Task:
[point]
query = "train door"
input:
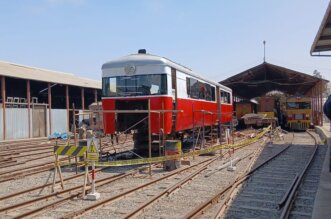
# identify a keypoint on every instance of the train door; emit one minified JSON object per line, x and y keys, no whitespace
{"x":174,"y":96}
{"x":218,"y":102}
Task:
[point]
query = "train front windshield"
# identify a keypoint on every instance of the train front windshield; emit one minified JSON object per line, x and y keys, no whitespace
{"x":136,"y":85}
{"x":298,"y":105}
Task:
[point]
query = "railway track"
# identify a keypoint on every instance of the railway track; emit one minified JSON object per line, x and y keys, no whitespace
{"x":270,"y":189}
{"x":118,"y":193}
{"x":138,"y":198}
{"x":20,"y":157}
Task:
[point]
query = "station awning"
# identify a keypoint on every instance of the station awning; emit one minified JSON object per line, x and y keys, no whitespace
{"x":266,"y":77}
{"x":322,"y":42}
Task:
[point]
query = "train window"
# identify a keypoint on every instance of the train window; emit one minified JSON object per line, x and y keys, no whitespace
{"x":202,"y":90}
{"x":105,"y":86}
{"x":210,"y":92}
{"x":298,"y":105}
{"x":213,"y":93}
{"x":194,"y":88}
{"x":199,"y":90}
{"x":137,"y":85}
{"x":188,"y":87}
{"x":225,"y":97}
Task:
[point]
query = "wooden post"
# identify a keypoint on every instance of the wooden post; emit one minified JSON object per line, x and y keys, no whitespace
{"x":149,"y":136}
{"x":3,"y":96}
{"x":67,"y":106}
{"x":57,"y":169}
{"x":60,"y":173}
{"x":50,"y":107}
{"x":74,"y":123}
{"x":28,"y":96}
{"x":54,"y":176}
{"x":83,"y":99}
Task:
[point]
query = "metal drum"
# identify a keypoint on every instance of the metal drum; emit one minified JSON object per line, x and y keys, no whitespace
{"x":172,"y":147}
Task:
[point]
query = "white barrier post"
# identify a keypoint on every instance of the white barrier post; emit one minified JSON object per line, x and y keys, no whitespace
{"x":92,"y":155}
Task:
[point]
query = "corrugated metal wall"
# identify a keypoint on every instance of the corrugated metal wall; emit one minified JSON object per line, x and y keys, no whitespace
{"x":16,"y":123}
{"x":59,"y":120}
{"x":47,"y":123}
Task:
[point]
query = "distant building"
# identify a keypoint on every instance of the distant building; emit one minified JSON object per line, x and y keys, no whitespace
{"x":36,"y":102}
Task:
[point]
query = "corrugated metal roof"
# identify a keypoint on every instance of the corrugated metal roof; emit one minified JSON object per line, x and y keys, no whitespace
{"x":32,"y":73}
{"x":266,"y":77}
{"x":322,"y":41}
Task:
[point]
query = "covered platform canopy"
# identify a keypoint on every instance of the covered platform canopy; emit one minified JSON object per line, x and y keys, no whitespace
{"x":266,"y":77}
{"x":322,"y":42}
{"x":261,"y":79}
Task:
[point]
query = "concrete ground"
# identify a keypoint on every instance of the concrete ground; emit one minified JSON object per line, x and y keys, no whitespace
{"x":322,"y":205}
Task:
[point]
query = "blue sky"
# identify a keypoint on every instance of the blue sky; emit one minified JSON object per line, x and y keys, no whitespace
{"x":217,"y":39}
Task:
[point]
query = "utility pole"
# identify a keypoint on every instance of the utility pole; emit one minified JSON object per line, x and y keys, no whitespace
{"x":264,"y":50}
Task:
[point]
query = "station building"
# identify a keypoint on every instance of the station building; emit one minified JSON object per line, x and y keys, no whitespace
{"x":36,"y":102}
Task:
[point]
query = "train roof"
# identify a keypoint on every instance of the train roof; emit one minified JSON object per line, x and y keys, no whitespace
{"x":149,"y":59}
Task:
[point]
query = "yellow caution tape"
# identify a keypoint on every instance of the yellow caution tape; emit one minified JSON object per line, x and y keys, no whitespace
{"x":189,"y":154}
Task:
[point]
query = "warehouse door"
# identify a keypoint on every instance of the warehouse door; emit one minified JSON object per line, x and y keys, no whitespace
{"x":39,"y":121}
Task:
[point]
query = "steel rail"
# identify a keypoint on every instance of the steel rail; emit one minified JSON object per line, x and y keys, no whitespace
{"x":42,"y":165}
{"x":170,"y":189}
{"x":27,"y":150}
{"x":25,"y":146}
{"x":100,"y":183}
{"x":173,"y":188}
{"x":25,"y":155}
{"x":291,"y":196}
{"x":125,"y":193}
{"x":45,"y":185}
{"x":45,"y":197}
{"x":205,"y":205}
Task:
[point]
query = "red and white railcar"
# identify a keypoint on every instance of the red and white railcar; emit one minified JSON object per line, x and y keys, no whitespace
{"x":129,"y":82}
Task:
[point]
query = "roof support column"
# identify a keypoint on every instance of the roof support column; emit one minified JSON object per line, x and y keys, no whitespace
{"x":95,"y":95}
{"x":67,"y":106}
{"x":321,"y":102}
{"x":318,"y":104}
{"x":83,"y":100}
{"x":50,"y":107}
{"x":314,"y":105}
{"x":28,"y":97}
{"x":3,"y":96}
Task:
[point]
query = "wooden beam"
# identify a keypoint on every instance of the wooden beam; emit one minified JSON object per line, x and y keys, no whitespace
{"x":3,"y":96}
{"x":28,"y":97}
